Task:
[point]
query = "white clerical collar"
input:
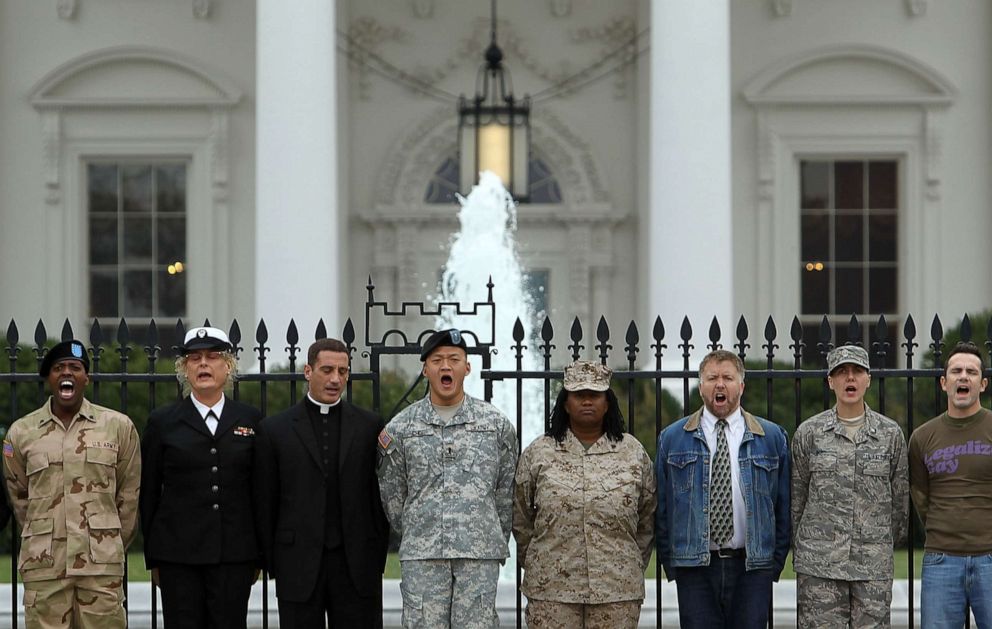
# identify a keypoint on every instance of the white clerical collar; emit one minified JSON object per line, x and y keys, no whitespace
{"x":324,"y":408}
{"x":203,"y":409}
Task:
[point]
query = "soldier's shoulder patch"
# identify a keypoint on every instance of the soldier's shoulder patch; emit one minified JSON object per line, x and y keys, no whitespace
{"x":385,"y":439}
{"x":8,"y":448}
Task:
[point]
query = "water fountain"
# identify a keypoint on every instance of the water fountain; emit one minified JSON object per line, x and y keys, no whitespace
{"x":485,"y":247}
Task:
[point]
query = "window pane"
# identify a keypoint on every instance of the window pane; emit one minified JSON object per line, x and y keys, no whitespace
{"x":848,"y":291}
{"x":849,"y":185}
{"x":171,"y":294}
{"x":816,"y":237}
{"x":882,"y":238}
{"x":815,"y":183}
{"x":137,"y":294}
{"x":101,"y":181}
{"x":882,"y":186}
{"x":103,"y":240}
{"x":848,"y":238}
{"x":171,"y":187}
{"x":816,"y":290}
{"x":137,"y":240}
{"x":103,"y":293}
{"x":882,"y":291}
{"x":136,"y":184}
{"x":171,"y":240}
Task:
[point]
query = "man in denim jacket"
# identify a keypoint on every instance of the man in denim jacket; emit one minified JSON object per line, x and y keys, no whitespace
{"x":723,"y":540}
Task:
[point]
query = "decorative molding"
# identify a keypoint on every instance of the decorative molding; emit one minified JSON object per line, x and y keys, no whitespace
{"x":399,"y":158}
{"x":781,"y":8}
{"x":219,"y":152}
{"x":53,"y":107}
{"x":759,"y":91}
{"x":366,"y":35}
{"x":619,"y":31}
{"x":560,"y":8}
{"x":201,"y":9}
{"x":43,"y":96}
{"x":916,"y":8}
{"x":66,"y":9}
{"x":588,"y":186}
{"x":422,"y":9}
{"x":579,"y":269}
{"x":766,"y":158}
{"x":51,"y":139}
{"x":933,"y":146}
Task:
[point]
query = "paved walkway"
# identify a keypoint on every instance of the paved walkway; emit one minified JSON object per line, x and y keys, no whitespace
{"x":785,"y":605}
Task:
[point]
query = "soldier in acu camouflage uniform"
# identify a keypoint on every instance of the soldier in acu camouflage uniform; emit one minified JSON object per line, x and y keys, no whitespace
{"x":446,"y":479}
{"x":850,"y":502}
{"x":72,"y":470}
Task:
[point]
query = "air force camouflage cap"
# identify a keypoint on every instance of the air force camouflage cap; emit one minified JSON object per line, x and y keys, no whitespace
{"x":442,"y":338}
{"x":847,"y":354}
{"x":585,"y":375}
{"x":66,"y":350}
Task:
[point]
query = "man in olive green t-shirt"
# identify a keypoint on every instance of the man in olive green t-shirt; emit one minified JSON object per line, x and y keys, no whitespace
{"x":950,"y":471}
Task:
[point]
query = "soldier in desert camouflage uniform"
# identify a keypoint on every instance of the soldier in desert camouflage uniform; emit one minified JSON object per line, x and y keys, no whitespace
{"x":72,"y":470}
{"x":446,"y":480}
{"x":583,"y":511}
{"x":850,"y":502}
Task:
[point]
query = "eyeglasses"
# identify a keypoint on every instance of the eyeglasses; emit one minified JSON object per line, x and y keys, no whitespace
{"x":196,"y":357}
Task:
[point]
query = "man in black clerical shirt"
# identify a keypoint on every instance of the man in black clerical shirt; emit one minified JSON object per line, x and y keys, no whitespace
{"x":321,"y":523}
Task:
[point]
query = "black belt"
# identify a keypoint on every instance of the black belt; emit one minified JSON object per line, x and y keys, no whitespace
{"x":729,"y":553}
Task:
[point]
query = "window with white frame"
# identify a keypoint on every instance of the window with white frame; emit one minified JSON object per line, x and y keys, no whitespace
{"x":849,"y":220}
{"x":136,"y":213}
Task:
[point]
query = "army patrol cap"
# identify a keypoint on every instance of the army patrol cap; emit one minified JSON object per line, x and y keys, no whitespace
{"x":442,"y":338}
{"x":205,"y":338}
{"x":847,"y":355}
{"x":66,"y":350}
{"x":586,"y":375}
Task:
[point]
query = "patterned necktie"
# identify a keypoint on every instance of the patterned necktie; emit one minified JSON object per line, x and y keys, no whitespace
{"x":721,"y":497}
{"x":211,"y":421}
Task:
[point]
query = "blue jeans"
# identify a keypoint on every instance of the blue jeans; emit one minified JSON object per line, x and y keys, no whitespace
{"x":723,"y":594}
{"x":951,"y":584}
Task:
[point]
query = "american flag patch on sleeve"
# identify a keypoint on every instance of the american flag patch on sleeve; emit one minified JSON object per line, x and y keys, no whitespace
{"x":8,"y":449}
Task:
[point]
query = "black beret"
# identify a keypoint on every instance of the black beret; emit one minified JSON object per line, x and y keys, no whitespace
{"x":65,"y":350}
{"x":442,"y":338}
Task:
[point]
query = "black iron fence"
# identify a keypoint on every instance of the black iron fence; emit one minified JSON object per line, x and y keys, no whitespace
{"x":653,"y":376}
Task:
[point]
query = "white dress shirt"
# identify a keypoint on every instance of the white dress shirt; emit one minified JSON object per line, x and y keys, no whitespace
{"x":735,"y":435}
{"x":217,"y":408}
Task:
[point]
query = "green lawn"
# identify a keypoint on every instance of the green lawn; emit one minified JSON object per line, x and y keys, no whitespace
{"x":137,"y":572}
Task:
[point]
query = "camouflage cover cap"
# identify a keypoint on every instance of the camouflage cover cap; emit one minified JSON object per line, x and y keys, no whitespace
{"x":587,"y":375}
{"x":847,"y":354}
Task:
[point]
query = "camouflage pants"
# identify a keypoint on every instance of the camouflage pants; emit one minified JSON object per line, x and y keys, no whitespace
{"x":552,"y":615}
{"x":830,"y":603}
{"x":77,"y":602}
{"x":449,"y":593}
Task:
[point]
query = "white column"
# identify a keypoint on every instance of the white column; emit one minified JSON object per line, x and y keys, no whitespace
{"x":690,"y":234}
{"x":297,"y":272}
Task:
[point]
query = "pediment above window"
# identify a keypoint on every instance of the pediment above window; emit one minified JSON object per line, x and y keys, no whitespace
{"x":849,"y":75}
{"x":133,"y":76}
